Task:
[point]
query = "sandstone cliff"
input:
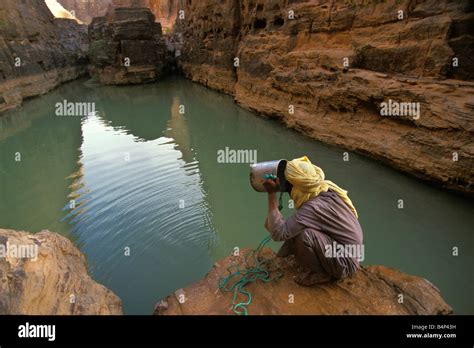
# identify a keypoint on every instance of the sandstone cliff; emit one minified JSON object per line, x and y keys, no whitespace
{"x":373,"y":290}
{"x":51,"y":281}
{"x":127,"y":47}
{"x":37,"y":51}
{"x":325,"y":68}
{"x":165,"y":11}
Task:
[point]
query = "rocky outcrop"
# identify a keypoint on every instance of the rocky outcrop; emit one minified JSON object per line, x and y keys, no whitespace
{"x":372,"y":290}
{"x":45,"y":274}
{"x":127,"y":47}
{"x":85,"y":10}
{"x":37,"y":51}
{"x":165,"y":11}
{"x":327,"y":68}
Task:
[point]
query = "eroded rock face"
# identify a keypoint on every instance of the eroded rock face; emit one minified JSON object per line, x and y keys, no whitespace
{"x":127,"y":47}
{"x":51,"y":281}
{"x":372,"y":290}
{"x":37,"y":51}
{"x":336,"y":62}
{"x":165,"y":11}
{"x":210,"y":36}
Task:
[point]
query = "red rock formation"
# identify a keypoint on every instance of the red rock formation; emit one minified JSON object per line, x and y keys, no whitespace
{"x":337,"y":62}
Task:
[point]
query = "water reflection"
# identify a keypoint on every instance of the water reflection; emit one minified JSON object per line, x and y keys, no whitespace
{"x":139,"y":201}
{"x":141,"y":111}
{"x":177,"y":129}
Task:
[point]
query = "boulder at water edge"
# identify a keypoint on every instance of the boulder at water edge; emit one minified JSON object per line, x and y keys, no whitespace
{"x":50,"y":279}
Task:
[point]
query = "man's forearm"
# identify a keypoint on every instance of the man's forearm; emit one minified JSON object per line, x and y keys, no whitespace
{"x":275,"y":224}
{"x":272,"y":202}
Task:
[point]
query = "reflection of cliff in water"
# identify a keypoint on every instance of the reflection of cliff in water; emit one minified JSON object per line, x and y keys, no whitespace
{"x":146,"y":112}
{"x":153,"y":202}
{"x":179,"y":131}
{"x":142,"y":111}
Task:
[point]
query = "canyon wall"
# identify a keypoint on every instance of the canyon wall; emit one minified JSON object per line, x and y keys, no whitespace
{"x":325,"y":68}
{"x":37,"y":51}
{"x":127,"y":46}
{"x":164,"y":10}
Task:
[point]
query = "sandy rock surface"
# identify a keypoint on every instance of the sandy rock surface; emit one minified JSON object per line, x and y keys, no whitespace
{"x":51,"y":281}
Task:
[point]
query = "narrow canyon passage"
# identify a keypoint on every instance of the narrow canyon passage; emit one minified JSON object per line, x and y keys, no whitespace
{"x":146,"y":177}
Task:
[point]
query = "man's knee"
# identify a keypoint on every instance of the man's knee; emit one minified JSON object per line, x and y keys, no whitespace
{"x":306,"y":238}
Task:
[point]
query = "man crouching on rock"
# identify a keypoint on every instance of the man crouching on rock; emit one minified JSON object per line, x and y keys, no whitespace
{"x":325,"y":220}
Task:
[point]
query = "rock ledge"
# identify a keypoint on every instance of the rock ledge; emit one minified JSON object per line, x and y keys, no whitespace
{"x":373,"y":290}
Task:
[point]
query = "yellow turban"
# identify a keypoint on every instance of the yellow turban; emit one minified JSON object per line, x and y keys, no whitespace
{"x":308,"y":182}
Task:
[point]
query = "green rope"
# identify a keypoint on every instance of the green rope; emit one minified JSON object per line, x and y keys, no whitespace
{"x":250,"y":274}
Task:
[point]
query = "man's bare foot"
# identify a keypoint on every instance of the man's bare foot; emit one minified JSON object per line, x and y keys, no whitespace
{"x":309,"y":278}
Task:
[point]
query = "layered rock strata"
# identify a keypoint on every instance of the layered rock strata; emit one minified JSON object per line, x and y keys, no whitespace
{"x":37,"y":51}
{"x":127,"y":47}
{"x":392,"y":80}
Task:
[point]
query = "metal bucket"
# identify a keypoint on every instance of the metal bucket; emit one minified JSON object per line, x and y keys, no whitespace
{"x":259,"y":170}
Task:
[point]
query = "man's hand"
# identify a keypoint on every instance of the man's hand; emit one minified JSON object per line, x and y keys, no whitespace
{"x":272,"y":186}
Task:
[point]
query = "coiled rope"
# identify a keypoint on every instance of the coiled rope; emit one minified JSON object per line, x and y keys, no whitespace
{"x":239,"y":278}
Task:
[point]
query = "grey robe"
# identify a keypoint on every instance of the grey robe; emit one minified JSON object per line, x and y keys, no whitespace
{"x":320,"y":224}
